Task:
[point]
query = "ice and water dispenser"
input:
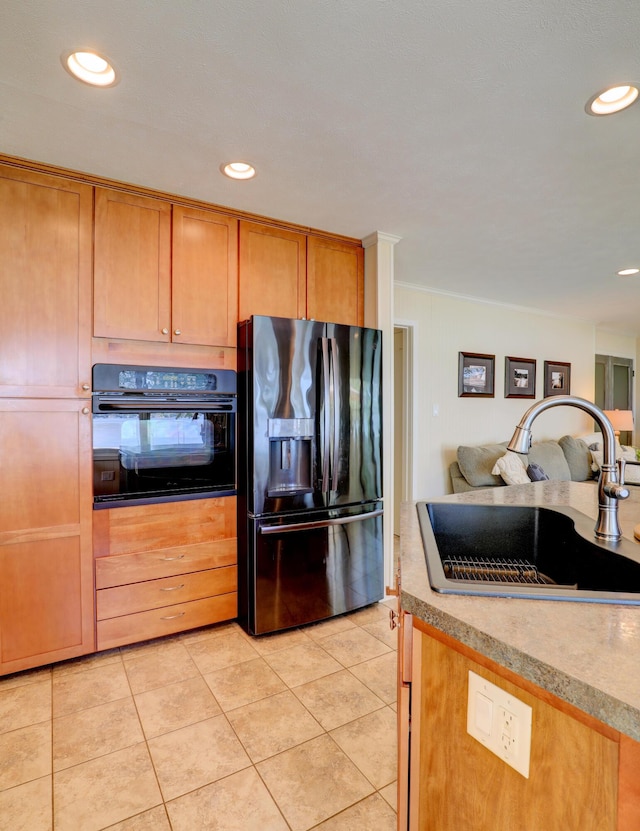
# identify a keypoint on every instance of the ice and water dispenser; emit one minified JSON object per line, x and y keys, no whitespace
{"x":290,"y":456}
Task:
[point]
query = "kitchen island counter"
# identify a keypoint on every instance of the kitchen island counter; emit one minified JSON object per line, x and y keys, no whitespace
{"x":587,"y":654}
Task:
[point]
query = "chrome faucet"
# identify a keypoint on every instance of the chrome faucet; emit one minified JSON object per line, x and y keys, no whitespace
{"x":610,"y":490}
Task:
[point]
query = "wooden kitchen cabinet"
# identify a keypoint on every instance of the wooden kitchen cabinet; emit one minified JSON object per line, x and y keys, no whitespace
{"x":45,"y":274}
{"x":335,"y":281}
{"x":204,"y":277}
{"x":271,"y":272}
{"x":132,"y":266}
{"x":164,"y":568}
{"x":583,"y":774}
{"x":163,"y":273}
{"x":289,"y":274}
{"x":46,"y":564}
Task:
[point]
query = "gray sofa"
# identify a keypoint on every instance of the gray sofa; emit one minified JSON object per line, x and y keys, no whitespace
{"x":568,"y":459}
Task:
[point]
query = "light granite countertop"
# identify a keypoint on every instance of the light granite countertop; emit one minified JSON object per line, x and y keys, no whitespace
{"x":587,"y":654}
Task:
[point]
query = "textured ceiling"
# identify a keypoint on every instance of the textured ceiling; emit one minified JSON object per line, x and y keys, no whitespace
{"x":458,"y":125}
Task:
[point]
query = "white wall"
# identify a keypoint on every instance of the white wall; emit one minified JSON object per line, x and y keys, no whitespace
{"x":613,"y":343}
{"x":445,"y":325}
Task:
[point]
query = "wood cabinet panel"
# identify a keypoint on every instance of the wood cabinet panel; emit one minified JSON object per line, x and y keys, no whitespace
{"x":629,"y":785}
{"x":163,"y":273}
{"x":271,"y":272}
{"x":164,"y":568}
{"x":573,"y":771}
{"x":45,"y":274}
{"x":164,"y":562}
{"x":147,"y":353}
{"x":164,"y":525}
{"x":154,"y":594}
{"x":166,"y":621}
{"x":335,"y":281}
{"x":132,"y":266}
{"x":41,"y":613}
{"x":46,"y":574}
{"x":41,"y":457}
{"x":204,"y":277}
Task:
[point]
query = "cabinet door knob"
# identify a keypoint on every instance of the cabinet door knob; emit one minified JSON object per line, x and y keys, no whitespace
{"x":86,"y":387}
{"x":177,"y":332}
{"x":85,"y":411}
{"x":165,"y":331}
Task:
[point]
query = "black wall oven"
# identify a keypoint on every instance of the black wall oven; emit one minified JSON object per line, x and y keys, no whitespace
{"x":162,"y":434}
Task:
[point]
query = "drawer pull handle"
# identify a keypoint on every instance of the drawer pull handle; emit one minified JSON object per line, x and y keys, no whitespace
{"x":169,"y":559}
{"x":173,"y":617}
{"x":172,"y":588}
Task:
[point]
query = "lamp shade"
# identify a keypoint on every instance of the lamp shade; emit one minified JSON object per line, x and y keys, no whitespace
{"x":620,"y":419}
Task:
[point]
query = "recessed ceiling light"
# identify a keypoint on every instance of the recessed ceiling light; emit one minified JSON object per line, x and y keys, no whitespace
{"x":626,"y":272}
{"x":238,"y":170}
{"x":90,"y":67}
{"x":612,"y":100}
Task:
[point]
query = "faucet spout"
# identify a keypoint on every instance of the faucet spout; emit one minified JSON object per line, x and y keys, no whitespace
{"x":610,"y":490}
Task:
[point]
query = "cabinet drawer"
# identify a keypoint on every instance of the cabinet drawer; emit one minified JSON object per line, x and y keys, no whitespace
{"x":122,"y":569}
{"x":154,"y":594}
{"x":156,"y":623}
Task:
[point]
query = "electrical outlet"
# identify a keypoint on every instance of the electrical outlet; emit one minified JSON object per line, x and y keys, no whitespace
{"x":499,"y":721}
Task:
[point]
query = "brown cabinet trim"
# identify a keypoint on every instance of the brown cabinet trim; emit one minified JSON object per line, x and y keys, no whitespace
{"x":100,"y":181}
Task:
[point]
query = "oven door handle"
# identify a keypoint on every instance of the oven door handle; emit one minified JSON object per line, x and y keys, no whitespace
{"x":321,"y":523}
{"x":140,"y":406}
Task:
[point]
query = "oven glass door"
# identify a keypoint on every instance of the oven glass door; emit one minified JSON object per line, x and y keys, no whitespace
{"x":145,"y":456}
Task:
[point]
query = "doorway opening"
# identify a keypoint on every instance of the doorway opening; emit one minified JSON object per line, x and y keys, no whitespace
{"x":614,"y":387}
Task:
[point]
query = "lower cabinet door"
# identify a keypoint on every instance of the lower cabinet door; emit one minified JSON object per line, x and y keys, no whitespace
{"x":46,"y":568}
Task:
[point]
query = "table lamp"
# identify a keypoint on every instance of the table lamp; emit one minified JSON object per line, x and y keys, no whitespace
{"x":621,"y":420}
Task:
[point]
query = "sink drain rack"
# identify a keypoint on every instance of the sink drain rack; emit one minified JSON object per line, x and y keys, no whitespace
{"x":484,"y":570}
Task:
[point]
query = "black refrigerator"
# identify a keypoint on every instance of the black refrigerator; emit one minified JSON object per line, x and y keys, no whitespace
{"x":309,"y":471}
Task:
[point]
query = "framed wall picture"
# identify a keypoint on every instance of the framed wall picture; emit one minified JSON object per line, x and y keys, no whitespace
{"x":557,"y":378}
{"x":519,"y":377}
{"x":476,"y":374}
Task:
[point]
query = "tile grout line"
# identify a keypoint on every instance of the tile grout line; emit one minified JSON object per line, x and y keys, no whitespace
{"x":185,"y":641}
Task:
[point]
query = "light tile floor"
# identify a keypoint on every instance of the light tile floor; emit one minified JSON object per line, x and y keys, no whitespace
{"x":209,"y":730}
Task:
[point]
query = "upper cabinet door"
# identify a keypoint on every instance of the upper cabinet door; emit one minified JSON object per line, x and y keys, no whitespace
{"x":45,"y":275}
{"x":335,"y":281}
{"x":205,"y":274}
{"x":272,"y":272}
{"x":132,"y":267}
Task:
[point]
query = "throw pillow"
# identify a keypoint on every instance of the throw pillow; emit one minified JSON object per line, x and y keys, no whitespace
{"x":591,"y":438}
{"x":536,"y":473}
{"x":511,"y":468}
{"x":578,"y":457}
{"x":632,"y":475}
{"x":476,"y":464}
{"x":549,"y":455}
{"x":631,"y":472}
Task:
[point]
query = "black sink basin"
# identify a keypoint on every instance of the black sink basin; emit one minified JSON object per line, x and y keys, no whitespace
{"x":534,"y":552}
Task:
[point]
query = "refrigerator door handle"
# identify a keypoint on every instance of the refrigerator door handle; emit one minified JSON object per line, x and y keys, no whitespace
{"x":326,"y":380}
{"x":322,"y":523}
{"x":335,"y":377}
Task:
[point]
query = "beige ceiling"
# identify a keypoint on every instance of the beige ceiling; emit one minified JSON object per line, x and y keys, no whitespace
{"x":458,"y":125}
